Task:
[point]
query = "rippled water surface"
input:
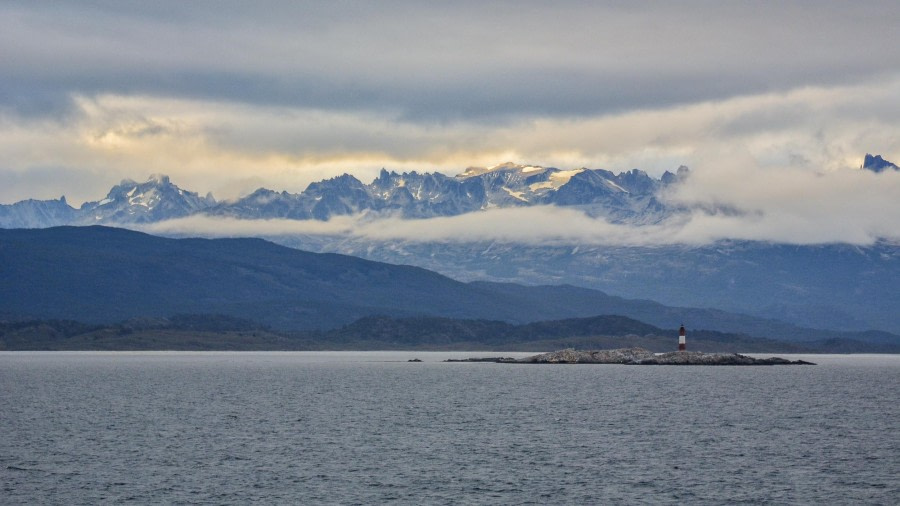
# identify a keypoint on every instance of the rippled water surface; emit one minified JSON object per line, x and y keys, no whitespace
{"x":232,"y":428}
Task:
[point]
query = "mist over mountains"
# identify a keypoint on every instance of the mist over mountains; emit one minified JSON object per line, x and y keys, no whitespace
{"x":835,"y":286}
{"x":628,"y":207}
{"x":530,"y":225}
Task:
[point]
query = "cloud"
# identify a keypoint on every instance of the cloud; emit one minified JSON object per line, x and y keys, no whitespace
{"x":232,"y":149}
{"x":426,"y":62}
{"x":530,"y":225}
{"x":210,"y":226}
{"x":790,"y":205}
{"x":230,"y":96}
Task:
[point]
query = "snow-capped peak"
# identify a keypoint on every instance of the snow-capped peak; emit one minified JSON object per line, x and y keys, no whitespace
{"x":477,"y":171}
{"x":556,"y":180}
{"x":625,"y":196}
{"x":155,"y":199}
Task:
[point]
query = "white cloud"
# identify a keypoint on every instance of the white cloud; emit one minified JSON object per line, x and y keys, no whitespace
{"x":791,"y":205}
{"x":209,"y":226}
{"x":544,"y":225}
{"x":441,"y":62}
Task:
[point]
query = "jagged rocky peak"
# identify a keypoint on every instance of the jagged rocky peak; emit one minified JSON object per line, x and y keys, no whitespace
{"x":624,"y":196}
{"x":636,"y":180}
{"x":155,"y":199}
{"x":384,"y":175}
{"x":344,"y":181}
{"x":36,"y":213}
{"x":264,"y":195}
{"x":682,"y":172}
{"x":876,"y":163}
{"x":135,"y":192}
{"x":390,"y":179}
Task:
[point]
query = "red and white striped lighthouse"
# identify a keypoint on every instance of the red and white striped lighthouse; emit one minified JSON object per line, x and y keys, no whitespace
{"x":681,"y":341}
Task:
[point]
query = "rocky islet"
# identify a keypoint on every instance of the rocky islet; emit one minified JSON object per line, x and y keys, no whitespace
{"x":638,"y":356}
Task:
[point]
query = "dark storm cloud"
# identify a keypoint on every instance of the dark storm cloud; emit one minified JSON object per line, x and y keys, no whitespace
{"x":447,"y":62}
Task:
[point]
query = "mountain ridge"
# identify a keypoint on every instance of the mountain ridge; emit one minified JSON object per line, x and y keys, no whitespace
{"x":219,"y":332}
{"x":626,"y":196}
{"x":103,"y":275}
{"x":830,"y":285}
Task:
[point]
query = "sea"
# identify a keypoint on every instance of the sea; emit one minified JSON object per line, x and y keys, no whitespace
{"x":372,"y":428}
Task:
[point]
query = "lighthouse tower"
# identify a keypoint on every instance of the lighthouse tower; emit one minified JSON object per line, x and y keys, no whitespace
{"x":681,"y":343}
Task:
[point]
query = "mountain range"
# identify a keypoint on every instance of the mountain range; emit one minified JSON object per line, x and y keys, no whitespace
{"x":836,"y":286}
{"x":628,"y":196}
{"x":100,"y":275}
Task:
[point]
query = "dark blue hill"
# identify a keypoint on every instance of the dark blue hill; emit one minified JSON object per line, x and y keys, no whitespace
{"x":108,"y":275}
{"x":99,"y":274}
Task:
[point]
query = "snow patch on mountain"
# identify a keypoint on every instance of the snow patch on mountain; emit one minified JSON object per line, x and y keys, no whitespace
{"x":614,"y":186}
{"x":515,"y":194}
{"x":153,"y":200}
{"x":557,"y":178}
{"x":507,"y":166}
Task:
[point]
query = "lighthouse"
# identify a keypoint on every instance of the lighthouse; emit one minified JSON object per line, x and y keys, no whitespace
{"x":681,"y":343}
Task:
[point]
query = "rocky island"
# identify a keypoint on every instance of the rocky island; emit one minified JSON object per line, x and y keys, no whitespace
{"x":638,"y":356}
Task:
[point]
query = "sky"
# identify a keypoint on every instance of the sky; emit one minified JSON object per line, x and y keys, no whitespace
{"x":770,"y":104}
